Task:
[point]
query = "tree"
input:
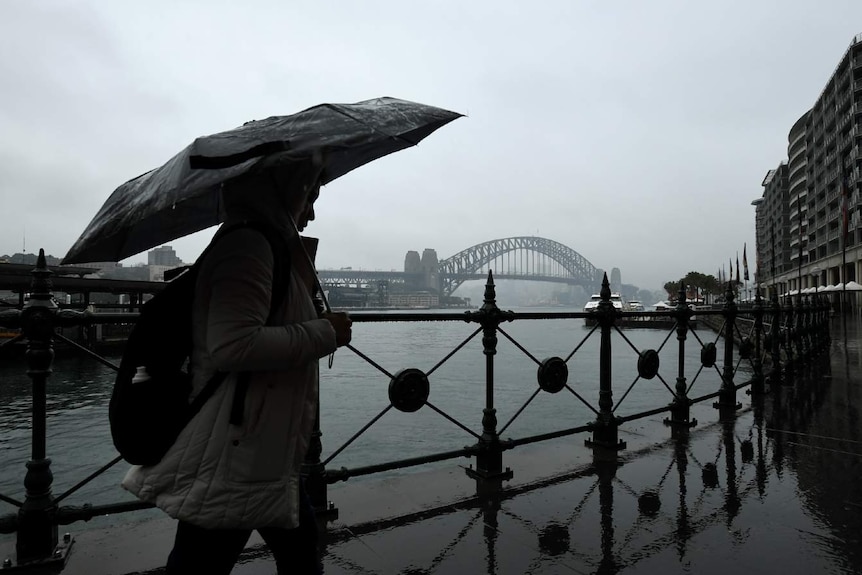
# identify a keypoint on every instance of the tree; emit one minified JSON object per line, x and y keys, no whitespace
{"x":695,"y":282}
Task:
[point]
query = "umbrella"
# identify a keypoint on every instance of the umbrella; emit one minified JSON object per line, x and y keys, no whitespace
{"x":182,"y":196}
{"x":853,"y":286}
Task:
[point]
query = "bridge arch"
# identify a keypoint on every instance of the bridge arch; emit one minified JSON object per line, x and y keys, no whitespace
{"x":576,"y":269}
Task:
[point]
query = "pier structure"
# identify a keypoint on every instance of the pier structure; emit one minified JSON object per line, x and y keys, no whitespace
{"x":763,"y":347}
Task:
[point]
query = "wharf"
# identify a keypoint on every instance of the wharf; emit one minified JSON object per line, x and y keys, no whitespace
{"x":773,"y":490}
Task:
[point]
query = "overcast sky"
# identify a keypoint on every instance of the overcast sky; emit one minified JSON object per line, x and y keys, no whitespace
{"x":637,"y":133}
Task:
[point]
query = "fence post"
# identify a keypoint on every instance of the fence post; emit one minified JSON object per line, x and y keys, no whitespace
{"x":679,"y":410}
{"x":37,"y":527}
{"x":489,"y":472}
{"x":726,"y":403}
{"x":605,"y":426}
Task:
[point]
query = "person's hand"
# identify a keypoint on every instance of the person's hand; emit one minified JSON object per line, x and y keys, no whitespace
{"x":341,"y":322}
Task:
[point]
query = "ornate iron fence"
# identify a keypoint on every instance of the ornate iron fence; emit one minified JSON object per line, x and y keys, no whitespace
{"x":775,"y":342}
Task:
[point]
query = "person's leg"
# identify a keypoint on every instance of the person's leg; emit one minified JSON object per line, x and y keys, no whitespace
{"x":211,"y":551}
{"x":295,"y":550}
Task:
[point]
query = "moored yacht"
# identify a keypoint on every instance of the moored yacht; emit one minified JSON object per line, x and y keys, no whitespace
{"x":593,"y":305}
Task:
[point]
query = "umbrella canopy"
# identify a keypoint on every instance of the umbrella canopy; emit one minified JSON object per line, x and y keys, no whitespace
{"x":853,"y":286}
{"x":182,"y":196}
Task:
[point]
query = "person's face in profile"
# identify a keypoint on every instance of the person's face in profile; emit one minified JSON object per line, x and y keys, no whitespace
{"x":302,"y":210}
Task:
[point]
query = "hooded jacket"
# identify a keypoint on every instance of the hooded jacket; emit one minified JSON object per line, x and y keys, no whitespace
{"x":219,"y":475}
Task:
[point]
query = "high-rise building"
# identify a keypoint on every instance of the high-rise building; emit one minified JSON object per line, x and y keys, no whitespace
{"x":163,"y":256}
{"x":773,"y":217}
{"x":822,"y":203}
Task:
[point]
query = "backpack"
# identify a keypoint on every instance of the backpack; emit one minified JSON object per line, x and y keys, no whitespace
{"x":147,"y":415}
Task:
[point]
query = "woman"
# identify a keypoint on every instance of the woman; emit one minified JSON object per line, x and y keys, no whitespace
{"x":222,"y":480}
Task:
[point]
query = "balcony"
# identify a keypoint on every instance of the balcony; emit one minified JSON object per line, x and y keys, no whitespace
{"x":800,"y":151}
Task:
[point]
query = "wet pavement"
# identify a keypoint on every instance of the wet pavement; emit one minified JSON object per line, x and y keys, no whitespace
{"x":775,"y":489}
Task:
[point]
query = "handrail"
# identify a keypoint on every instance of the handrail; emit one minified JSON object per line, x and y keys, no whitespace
{"x":780,"y":339}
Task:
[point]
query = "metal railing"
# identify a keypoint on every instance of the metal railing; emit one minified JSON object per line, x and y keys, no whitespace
{"x":774,"y":341}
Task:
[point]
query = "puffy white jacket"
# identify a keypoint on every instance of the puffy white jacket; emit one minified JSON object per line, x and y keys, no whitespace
{"x":219,"y":475}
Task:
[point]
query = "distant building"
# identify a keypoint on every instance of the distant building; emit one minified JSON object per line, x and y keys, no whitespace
{"x":163,"y":256}
{"x":157,"y":273}
{"x":414,"y":300}
{"x":773,"y":234}
{"x":104,"y":266}
{"x":29,"y":259}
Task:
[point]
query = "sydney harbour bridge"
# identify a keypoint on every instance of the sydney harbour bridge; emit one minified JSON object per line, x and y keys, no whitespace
{"x":517,"y":258}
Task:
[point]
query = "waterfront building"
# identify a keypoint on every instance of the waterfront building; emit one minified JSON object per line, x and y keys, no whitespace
{"x":773,"y":228}
{"x":163,"y":256}
{"x":808,"y":220}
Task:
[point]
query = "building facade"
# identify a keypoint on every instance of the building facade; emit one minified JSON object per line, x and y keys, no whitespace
{"x":163,"y":256}
{"x":808,"y":231}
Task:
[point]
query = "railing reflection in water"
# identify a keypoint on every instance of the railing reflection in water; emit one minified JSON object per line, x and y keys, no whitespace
{"x":677,"y":503}
{"x":776,"y":342}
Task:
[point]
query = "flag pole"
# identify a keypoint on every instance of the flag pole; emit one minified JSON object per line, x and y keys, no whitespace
{"x":844,"y":223}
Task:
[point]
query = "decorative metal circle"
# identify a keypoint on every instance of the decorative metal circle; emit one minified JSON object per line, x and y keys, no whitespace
{"x":553,"y":374}
{"x":708,"y":355}
{"x":649,"y":503}
{"x":648,"y":363}
{"x":409,"y":389}
{"x":746,"y":348}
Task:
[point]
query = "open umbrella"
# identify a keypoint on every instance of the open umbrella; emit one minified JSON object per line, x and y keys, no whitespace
{"x":182,"y":196}
{"x":853,"y":286}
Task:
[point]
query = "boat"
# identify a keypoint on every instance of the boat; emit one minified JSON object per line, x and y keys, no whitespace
{"x":593,"y":305}
{"x":635,"y":305}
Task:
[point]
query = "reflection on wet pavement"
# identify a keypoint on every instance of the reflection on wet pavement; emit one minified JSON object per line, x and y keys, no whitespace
{"x":774,"y":490}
